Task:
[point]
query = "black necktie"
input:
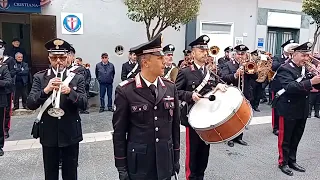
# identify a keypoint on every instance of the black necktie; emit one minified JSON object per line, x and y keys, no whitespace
{"x":153,"y":90}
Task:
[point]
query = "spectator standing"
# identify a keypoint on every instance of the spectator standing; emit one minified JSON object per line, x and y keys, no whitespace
{"x":21,"y":81}
{"x":15,"y":48}
{"x":105,"y":74}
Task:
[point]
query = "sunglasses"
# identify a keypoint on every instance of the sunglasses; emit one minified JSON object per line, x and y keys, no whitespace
{"x":55,"y":58}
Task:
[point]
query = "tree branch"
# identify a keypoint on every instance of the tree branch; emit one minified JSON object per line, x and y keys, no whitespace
{"x":148,"y":28}
{"x":157,"y":25}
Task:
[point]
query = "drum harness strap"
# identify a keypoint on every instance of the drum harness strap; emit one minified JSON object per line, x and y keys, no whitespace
{"x":201,"y":86}
{"x":48,"y":101}
{"x":167,"y":76}
{"x":133,"y":70}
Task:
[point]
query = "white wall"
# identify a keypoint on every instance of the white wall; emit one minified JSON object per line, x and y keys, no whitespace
{"x":292,"y":5}
{"x":106,"y":25}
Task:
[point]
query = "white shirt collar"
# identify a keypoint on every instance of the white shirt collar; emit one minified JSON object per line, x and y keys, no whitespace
{"x":149,"y":83}
{"x":55,"y":72}
{"x":198,"y":66}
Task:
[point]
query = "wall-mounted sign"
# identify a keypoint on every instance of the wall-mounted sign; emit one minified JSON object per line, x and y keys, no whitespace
{"x":25,"y":6}
{"x":72,"y":23}
{"x":238,"y":40}
{"x":260,"y":42}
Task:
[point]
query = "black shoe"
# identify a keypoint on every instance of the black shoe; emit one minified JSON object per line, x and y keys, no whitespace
{"x":84,"y":112}
{"x":317,"y":116}
{"x":285,"y":169}
{"x":242,"y":142}
{"x":256,"y":109}
{"x":6,"y":135}
{"x":230,"y":143}
{"x":1,"y":152}
{"x":15,"y":108}
{"x":110,"y":109}
{"x":264,"y":100}
{"x":296,"y":167}
{"x":269,"y":103}
{"x":101,"y":110}
{"x":275,"y":132}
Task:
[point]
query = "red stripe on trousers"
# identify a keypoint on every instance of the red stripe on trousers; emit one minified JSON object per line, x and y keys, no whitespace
{"x":4,"y":120}
{"x":10,"y":106}
{"x":280,"y":139}
{"x":188,"y":172}
{"x":272,"y":109}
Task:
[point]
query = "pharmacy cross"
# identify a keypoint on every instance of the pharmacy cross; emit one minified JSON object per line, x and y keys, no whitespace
{"x":72,"y":21}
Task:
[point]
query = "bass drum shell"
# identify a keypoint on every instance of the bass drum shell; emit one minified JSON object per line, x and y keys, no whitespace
{"x":223,"y":119}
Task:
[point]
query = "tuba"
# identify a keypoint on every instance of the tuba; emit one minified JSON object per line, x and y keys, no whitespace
{"x":264,"y":68}
{"x":56,"y":111}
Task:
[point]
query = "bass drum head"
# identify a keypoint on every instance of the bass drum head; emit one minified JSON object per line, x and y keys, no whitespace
{"x":205,"y":114}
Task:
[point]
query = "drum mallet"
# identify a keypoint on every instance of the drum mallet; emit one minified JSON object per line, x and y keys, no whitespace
{"x":211,"y":97}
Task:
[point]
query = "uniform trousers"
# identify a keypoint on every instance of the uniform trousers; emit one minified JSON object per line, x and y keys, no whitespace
{"x":197,"y":154}
{"x":275,"y":116}
{"x":290,"y":133}
{"x":8,"y":113}
{"x":2,"y":111}
{"x":69,"y":159}
{"x":314,"y":101}
{"x":257,"y":94}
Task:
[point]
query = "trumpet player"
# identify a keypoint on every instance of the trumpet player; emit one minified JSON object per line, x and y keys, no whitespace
{"x":292,"y":103}
{"x":60,"y":124}
{"x":233,"y":73}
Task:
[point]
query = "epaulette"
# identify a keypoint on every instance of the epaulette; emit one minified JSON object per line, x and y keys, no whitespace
{"x":126,"y":82}
{"x":42,"y":71}
{"x":167,"y":80}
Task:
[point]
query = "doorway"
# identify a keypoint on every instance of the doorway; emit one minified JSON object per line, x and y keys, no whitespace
{"x":29,"y":28}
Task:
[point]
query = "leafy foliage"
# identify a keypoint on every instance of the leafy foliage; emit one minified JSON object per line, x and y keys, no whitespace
{"x":160,"y":14}
{"x":312,"y":8}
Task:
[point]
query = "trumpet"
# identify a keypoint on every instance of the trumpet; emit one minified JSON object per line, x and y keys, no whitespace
{"x":214,"y":50}
{"x":56,"y":111}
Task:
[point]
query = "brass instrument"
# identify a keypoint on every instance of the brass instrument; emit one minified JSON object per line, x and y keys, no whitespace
{"x":56,"y":111}
{"x":249,"y":66}
{"x":264,"y":68}
{"x":214,"y":50}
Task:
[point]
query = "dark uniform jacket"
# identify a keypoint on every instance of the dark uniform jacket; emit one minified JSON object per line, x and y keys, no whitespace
{"x":276,"y":63}
{"x":146,"y":131}
{"x":5,"y":83}
{"x":67,"y":130}
{"x":127,"y":68}
{"x":227,"y":73}
{"x":188,"y":79}
{"x":10,"y":62}
{"x":294,"y":103}
{"x":222,"y":61}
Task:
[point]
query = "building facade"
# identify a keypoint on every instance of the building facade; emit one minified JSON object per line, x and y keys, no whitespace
{"x":259,"y":24}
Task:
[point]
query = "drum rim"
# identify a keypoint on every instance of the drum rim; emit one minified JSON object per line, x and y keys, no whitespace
{"x":224,"y":120}
{"x":234,"y":136}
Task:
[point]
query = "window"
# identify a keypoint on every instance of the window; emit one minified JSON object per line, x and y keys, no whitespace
{"x":119,"y":50}
{"x":216,"y":28}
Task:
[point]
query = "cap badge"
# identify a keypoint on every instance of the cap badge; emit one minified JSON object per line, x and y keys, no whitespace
{"x":205,"y":39}
{"x":291,"y":41}
{"x":309,"y":45}
{"x":161,"y":40}
{"x":170,"y":47}
{"x":58,"y":43}
{"x":242,"y":47}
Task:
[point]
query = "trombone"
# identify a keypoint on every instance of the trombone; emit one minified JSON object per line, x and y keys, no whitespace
{"x":56,"y":111}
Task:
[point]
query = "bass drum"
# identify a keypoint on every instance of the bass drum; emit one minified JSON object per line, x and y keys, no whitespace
{"x":222,"y":119}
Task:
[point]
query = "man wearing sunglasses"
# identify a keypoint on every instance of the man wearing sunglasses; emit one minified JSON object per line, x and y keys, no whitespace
{"x":59,"y":133}
{"x":231,"y":73}
{"x":146,"y":124}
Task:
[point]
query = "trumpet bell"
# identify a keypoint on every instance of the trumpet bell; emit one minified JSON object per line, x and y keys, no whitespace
{"x":56,"y":112}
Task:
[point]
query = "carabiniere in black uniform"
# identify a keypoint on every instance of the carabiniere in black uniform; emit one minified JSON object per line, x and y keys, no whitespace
{"x":293,"y":108}
{"x":188,"y":79}
{"x":146,"y":125}
{"x":62,"y":133}
{"x":228,"y":75}
{"x":128,"y":66}
{"x":275,"y":86}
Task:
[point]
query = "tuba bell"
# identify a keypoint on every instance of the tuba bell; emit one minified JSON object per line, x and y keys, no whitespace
{"x":56,"y":111}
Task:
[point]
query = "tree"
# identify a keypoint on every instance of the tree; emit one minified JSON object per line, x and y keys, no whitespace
{"x":312,"y":8}
{"x":157,"y":15}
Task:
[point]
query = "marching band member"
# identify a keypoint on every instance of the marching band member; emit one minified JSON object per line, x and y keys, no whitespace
{"x":130,"y":68}
{"x":10,"y":62}
{"x":146,"y":120}
{"x":226,"y":58}
{"x":59,"y":133}
{"x":257,"y":86}
{"x":170,"y":71}
{"x":275,"y":86}
{"x":292,"y":104}
{"x":314,"y":100}
{"x":5,"y":83}
{"x":187,"y":59}
{"x":188,"y":80}
{"x":231,"y":73}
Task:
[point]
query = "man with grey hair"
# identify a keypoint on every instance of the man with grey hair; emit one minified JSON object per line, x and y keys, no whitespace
{"x":21,"y":81}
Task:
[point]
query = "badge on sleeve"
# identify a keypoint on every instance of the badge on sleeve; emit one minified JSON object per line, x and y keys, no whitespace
{"x":74,"y":88}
